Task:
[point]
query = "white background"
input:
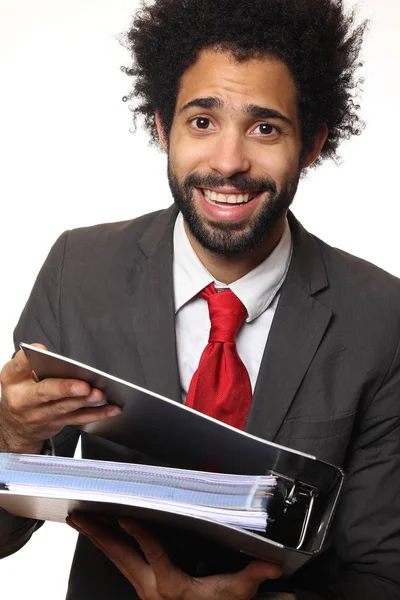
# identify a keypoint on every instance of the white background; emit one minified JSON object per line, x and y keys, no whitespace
{"x":67,"y":159}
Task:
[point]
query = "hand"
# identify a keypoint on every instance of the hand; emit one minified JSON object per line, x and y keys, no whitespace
{"x":158,"y":578}
{"x":32,"y":411}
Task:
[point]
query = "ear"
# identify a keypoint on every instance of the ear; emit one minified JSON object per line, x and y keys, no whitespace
{"x":161,"y":133}
{"x":316,"y":148}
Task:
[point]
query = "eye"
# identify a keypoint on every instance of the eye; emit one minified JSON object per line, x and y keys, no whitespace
{"x":201,"y":123}
{"x":265,"y":129}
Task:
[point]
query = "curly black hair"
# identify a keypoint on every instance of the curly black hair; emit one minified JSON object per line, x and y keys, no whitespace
{"x":317,"y":39}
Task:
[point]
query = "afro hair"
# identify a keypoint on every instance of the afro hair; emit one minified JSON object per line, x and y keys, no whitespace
{"x":317,"y":40}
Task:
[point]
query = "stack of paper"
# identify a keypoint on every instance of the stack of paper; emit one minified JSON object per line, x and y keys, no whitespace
{"x":237,"y":500}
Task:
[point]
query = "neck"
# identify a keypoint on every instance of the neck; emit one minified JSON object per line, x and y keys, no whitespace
{"x":228,"y":269}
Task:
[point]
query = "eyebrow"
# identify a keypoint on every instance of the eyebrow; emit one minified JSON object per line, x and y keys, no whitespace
{"x":258,"y":112}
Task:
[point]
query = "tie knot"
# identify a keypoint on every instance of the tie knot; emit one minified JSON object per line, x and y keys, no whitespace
{"x":227,"y":314}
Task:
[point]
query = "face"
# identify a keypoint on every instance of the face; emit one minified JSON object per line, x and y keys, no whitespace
{"x":234,"y":150}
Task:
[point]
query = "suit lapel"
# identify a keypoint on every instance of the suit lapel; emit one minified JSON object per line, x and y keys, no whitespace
{"x":298,"y":327}
{"x":154,"y":310}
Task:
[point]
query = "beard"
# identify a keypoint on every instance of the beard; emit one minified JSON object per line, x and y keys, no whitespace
{"x":232,"y":238}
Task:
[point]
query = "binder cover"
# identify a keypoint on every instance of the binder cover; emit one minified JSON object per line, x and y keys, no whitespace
{"x":179,"y":436}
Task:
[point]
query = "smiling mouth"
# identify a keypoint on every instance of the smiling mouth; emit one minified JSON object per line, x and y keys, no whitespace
{"x":219,"y":199}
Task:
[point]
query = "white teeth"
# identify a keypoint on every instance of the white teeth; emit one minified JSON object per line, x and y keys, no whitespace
{"x":225,"y":199}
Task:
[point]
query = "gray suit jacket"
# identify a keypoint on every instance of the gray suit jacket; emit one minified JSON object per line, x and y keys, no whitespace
{"x":329,"y":385}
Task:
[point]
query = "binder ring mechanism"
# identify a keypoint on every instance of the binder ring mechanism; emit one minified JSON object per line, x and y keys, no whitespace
{"x":292,"y":498}
{"x":293,"y":491}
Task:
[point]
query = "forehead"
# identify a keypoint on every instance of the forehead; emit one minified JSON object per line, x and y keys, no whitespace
{"x":264,"y":81}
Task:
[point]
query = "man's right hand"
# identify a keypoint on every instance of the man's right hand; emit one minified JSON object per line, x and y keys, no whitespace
{"x":32,"y":412}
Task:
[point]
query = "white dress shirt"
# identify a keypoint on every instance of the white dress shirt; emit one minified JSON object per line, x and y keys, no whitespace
{"x":258,"y":291}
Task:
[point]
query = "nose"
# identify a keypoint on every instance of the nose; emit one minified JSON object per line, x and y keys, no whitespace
{"x":228,"y":156}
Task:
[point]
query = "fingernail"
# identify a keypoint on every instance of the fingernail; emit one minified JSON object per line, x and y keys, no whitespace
{"x":76,"y":389}
{"x":93,"y":399}
{"x":72,"y":524}
{"x":129,"y":527}
{"x":114,"y":411}
{"x":275,"y":573}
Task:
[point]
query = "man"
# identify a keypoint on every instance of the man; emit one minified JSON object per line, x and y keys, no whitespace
{"x":244,"y":96}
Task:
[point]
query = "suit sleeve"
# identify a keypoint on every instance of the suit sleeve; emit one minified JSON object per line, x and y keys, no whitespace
{"x":366,"y":529}
{"x":40,"y":322}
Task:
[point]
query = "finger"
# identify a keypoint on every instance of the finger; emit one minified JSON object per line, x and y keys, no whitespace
{"x":65,"y":406}
{"x":85,"y":416}
{"x":154,"y":551}
{"x":243,"y":584}
{"x":58,"y":407}
{"x":116,"y":548}
{"x":170,"y":582}
{"x":125,"y":558}
{"x":50,"y":390}
{"x":259,"y":570}
{"x":63,"y":412}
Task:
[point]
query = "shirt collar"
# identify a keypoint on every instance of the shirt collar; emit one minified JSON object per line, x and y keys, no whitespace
{"x":256,"y":290}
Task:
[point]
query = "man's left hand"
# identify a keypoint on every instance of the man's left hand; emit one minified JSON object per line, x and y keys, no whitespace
{"x":158,"y":578}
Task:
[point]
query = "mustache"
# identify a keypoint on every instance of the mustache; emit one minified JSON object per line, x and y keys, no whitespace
{"x":239,"y":181}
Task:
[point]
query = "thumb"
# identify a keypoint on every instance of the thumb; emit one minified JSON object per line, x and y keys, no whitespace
{"x":40,"y":346}
{"x":18,"y":369}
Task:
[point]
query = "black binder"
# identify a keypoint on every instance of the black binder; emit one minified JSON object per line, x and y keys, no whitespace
{"x":176,"y":435}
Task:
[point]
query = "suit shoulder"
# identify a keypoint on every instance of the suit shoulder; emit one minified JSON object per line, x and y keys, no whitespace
{"x":107,"y":244}
{"x":360,"y":282}
{"x":103,"y":233}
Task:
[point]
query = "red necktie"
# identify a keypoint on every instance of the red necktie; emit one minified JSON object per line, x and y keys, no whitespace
{"x":220,"y":388}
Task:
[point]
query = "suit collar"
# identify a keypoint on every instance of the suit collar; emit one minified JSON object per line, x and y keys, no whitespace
{"x":153,"y":307}
{"x":307,"y":268}
{"x":159,"y":232}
